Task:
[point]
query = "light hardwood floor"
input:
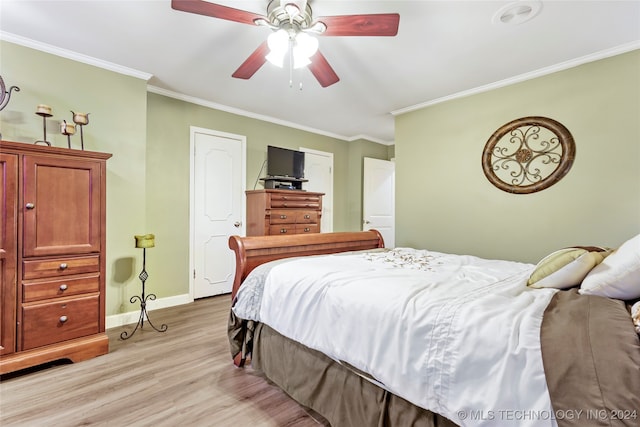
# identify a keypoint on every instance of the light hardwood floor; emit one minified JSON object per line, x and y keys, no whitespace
{"x":183,"y":377}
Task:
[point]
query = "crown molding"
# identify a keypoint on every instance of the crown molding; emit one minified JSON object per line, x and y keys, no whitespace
{"x":603,"y":54}
{"x":75,"y":56}
{"x":252,"y":115}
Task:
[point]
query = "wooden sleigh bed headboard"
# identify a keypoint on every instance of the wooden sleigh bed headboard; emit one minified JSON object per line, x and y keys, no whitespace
{"x":253,"y":251}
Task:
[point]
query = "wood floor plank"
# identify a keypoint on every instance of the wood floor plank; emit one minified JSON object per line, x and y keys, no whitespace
{"x":180,"y":377}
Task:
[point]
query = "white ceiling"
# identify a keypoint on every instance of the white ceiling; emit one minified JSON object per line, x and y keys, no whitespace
{"x":443,"y":49}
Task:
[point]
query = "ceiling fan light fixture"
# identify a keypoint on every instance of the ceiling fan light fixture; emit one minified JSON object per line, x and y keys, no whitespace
{"x":304,"y":48}
{"x":276,"y":59}
{"x":306,"y":44}
{"x":300,"y":45}
{"x":278,"y":43}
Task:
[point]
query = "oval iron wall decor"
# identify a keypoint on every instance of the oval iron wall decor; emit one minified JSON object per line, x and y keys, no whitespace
{"x":528,"y":155}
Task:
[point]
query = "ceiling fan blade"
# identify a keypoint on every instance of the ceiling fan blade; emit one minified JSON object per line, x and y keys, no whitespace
{"x":383,"y":24}
{"x":215,"y":10}
{"x":322,"y":70}
{"x":252,"y":63}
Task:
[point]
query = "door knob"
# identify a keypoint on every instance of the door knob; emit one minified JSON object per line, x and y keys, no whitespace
{"x":237,"y":224}
{"x":30,"y":206}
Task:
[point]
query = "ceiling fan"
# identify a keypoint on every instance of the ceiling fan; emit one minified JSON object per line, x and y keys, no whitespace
{"x":293,"y":26}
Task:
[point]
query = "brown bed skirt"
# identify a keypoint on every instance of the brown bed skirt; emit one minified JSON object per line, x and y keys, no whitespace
{"x":590,"y":351}
{"x":334,"y":391}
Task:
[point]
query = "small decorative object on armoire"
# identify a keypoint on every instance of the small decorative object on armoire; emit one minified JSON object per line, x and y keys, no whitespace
{"x":143,"y":241}
{"x":81,"y":119}
{"x":528,"y":155}
{"x":5,"y":95}
{"x":67,"y":129}
{"x":44,"y":111}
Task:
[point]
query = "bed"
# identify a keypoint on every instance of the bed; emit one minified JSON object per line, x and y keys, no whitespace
{"x":368,"y":336}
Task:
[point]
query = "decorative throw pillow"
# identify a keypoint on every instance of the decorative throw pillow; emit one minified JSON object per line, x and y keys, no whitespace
{"x":566,"y":267}
{"x":618,"y":276}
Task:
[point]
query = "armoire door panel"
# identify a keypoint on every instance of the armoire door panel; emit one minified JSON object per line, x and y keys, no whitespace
{"x":61,"y":206}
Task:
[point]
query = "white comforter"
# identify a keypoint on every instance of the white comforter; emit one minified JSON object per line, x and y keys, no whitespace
{"x":457,"y":335}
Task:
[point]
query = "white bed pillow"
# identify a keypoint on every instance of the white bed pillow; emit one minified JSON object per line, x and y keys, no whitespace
{"x":618,"y":275}
{"x":566,"y":267}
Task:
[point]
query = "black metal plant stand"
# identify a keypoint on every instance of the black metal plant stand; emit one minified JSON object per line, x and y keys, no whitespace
{"x":143,"y":303}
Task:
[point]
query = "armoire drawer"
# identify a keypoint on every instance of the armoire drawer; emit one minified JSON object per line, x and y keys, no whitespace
{"x":59,"y":320}
{"x":37,"y":269}
{"x":60,"y":287}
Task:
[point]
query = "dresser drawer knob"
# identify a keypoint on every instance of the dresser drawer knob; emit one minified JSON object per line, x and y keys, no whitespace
{"x":307,"y":229}
{"x":307,"y":216}
{"x":63,"y":319}
{"x":283,"y":230}
{"x":29,"y":206}
{"x":283,"y":217}
{"x":63,"y":266}
{"x":63,"y":287}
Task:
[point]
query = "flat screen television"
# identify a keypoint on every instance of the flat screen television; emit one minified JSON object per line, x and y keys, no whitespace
{"x":282,"y":162}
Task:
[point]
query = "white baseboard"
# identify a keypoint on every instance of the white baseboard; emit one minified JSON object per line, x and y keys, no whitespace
{"x":117,"y":320}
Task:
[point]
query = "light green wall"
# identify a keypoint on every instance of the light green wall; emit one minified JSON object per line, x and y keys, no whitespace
{"x":117,"y":109}
{"x":169,"y":122}
{"x":148,"y":175}
{"x":445,"y":203}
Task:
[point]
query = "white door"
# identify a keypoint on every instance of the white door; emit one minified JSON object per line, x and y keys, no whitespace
{"x":318,"y":169}
{"x":218,"y":206}
{"x":378,"y":204}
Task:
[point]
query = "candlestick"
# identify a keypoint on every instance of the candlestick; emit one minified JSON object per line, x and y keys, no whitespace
{"x":81,"y":119}
{"x":44,"y":111}
{"x":143,"y":241}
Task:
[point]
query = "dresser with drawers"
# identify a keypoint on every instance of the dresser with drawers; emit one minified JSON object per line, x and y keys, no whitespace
{"x":52,"y":255}
{"x":274,"y":211}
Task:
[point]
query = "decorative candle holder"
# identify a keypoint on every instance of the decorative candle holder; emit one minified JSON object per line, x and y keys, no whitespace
{"x":143,"y":241}
{"x":81,"y":119}
{"x":44,"y":111}
{"x":67,"y":129}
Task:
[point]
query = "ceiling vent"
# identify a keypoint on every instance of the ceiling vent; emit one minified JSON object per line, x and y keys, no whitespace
{"x":517,"y":12}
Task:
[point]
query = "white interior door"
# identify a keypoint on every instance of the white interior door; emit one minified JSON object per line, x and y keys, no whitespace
{"x":378,"y":205}
{"x":318,"y":169}
{"x":218,"y":207}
